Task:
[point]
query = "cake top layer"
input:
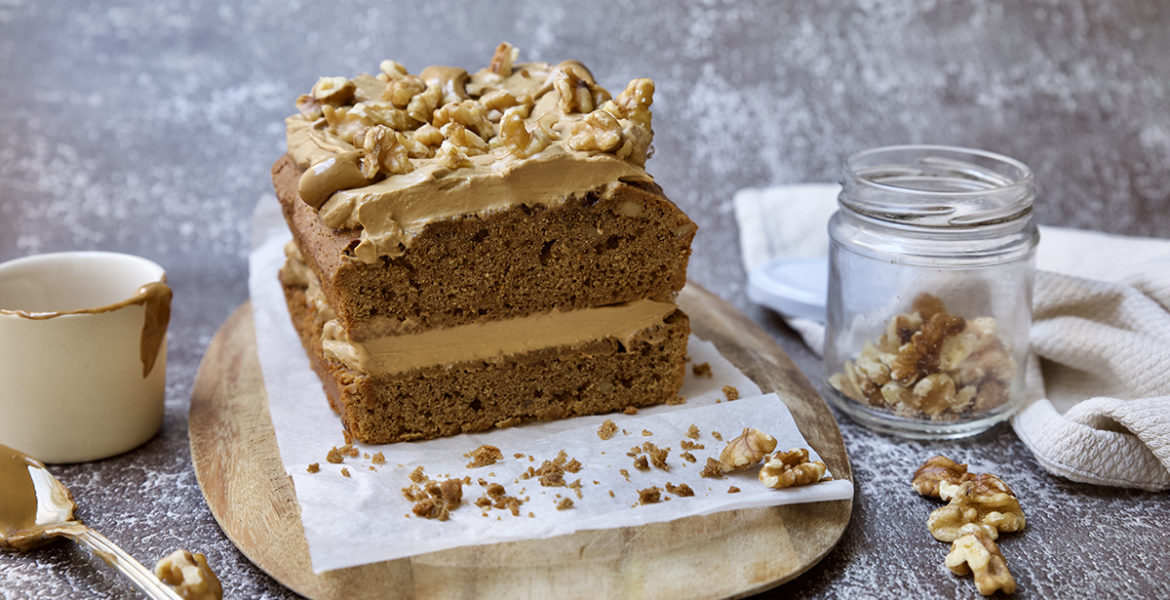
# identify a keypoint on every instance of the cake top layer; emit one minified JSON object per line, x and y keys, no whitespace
{"x":390,"y":153}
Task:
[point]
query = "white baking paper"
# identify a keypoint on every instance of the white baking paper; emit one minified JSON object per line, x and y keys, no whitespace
{"x":363,"y":518}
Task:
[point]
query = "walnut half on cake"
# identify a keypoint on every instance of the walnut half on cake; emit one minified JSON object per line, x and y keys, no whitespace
{"x":477,"y":251}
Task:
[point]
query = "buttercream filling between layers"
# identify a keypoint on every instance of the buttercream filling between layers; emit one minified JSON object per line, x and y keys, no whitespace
{"x":493,"y":339}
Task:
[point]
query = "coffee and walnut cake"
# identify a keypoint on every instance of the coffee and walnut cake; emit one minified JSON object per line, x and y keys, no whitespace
{"x":478,"y":251}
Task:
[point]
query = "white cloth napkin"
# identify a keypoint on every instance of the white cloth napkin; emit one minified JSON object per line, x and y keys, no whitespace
{"x":1098,"y":405}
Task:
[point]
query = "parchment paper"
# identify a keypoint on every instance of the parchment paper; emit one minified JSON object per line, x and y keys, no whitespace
{"x":364,"y":518}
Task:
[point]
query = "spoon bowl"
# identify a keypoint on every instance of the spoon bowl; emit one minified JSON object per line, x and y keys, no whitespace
{"x":36,"y":508}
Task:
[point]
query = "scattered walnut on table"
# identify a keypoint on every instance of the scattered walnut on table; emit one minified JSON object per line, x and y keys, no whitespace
{"x":746,"y":450}
{"x":938,"y":473}
{"x":974,"y":552}
{"x":791,"y":468}
{"x":189,"y":575}
{"x":985,"y":500}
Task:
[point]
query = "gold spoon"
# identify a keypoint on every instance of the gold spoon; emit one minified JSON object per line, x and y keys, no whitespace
{"x":35,"y":508}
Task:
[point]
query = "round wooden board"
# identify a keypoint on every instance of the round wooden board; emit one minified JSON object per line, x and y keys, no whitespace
{"x":730,"y":554}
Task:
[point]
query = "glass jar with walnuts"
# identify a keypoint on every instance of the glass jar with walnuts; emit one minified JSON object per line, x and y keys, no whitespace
{"x":930,"y":289}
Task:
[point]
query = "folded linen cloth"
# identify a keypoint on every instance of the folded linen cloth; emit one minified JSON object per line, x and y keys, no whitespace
{"x":1098,"y":397}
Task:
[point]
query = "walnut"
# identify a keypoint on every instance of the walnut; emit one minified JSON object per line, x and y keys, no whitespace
{"x":503,"y":58}
{"x":503,"y":99}
{"x":383,"y":151}
{"x":920,"y":356}
{"x":746,"y":450}
{"x":350,"y":122}
{"x":934,"y":394}
{"x":939,"y":471}
{"x":392,"y":69}
{"x":333,"y":90}
{"x":309,"y":107}
{"x":189,"y":575}
{"x":422,"y":105}
{"x":576,"y":89}
{"x":400,"y":91}
{"x":516,"y":138}
{"x":985,"y":500}
{"x":635,"y":101}
{"x":428,"y":135}
{"x":974,"y":552}
{"x":787,"y":469}
{"x":598,"y":131}
{"x":469,"y":114}
{"x":463,"y":138}
{"x":636,"y":144}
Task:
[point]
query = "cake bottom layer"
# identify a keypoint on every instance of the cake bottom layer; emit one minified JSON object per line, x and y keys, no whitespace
{"x":557,"y":382}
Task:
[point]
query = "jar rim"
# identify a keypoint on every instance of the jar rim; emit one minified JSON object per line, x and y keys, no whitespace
{"x":937,"y":185}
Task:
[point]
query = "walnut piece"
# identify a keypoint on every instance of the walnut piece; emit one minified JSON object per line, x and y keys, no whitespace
{"x":634,"y":101}
{"x":517,"y":139}
{"x":598,"y":131}
{"x":791,"y":468}
{"x":503,"y":58}
{"x":938,"y":473}
{"x":383,"y":151}
{"x":469,"y":114}
{"x":400,"y":91}
{"x":189,"y":575}
{"x":746,"y":450}
{"x":576,"y":89}
{"x":451,"y":156}
{"x":974,"y":552}
{"x":985,"y":500}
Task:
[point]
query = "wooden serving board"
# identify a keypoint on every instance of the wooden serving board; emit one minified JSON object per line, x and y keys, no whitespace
{"x":730,"y":554}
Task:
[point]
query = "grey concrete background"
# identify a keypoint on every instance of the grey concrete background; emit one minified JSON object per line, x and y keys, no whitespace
{"x":150,"y":127}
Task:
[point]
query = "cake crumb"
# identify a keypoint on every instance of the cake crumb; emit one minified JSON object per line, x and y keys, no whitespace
{"x":483,"y":502}
{"x":647,"y":433}
{"x":496,"y":491}
{"x":676,"y":401}
{"x":624,"y":432}
{"x":413,"y":493}
{"x":631,"y":410}
{"x":681,"y":489}
{"x":551,"y":473}
{"x":344,"y":472}
{"x":731,"y":393}
{"x":702,"y":370}
{"x":576,"y":487}
{"x":378,"y":458}
{"x":531,"y":515}
{"x":624,"y":473}
{"x":451,"y":492}
{"x":641,"y":464}
{"x":657,"y":455}
{"x":417,"y":475}
{"x":717,"y":435}
{"x":611,"y":494}
{"x":693,"y":432}
{"x":482,"y":482}
{"x":687,"y":456}
{"x":518,"y":455}
{"x":650,"y":495}
{"x":334,"y":456}
{"x":733,"y":490}
{"x":573,"y":466}
{"x":365,"y":454}
{"x":313,"y":467}
{"x":483,"y":456}
{"x":429,"y":508}
{"x":607,"y":430}
{"x":713,"y":470}
{"x":564,"y":504}
{"x":689,"y":445}
{"x":371,"y":467}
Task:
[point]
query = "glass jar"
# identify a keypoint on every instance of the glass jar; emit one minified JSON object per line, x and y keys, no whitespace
{"x":930,"y":290}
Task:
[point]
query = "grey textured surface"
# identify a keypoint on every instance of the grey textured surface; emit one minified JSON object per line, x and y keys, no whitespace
{"x":150,"y":127}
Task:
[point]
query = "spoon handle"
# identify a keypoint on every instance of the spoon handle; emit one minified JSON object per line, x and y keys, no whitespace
{"x":120,"y":560}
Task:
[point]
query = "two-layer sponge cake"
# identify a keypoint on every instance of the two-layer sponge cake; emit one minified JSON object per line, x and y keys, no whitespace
{"x":477,"y":251}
